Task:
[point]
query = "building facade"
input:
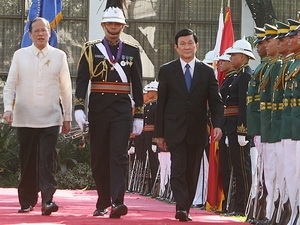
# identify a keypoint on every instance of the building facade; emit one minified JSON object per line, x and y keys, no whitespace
{"x":152,"y":24}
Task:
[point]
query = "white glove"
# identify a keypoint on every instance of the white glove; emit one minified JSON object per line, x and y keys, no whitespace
{"x":154,"y":147}
{"x":226,"y":141}
{"x":242,"y":140}
{"x":137,"y":126}
{"x":80,"y":118}
{"x":254,"y":158}
{"x":131,"y":151}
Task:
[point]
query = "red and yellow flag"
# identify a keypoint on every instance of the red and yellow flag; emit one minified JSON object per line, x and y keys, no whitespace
{"x":226,"y":40}
{"x":215,"y":194}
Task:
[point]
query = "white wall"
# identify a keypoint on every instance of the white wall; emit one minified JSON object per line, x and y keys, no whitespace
{"x":96,"y":12}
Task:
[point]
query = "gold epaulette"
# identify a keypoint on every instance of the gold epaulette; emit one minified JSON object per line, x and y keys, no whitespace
{"x":288,"y":58}
{"x":130,"y":43}
{"x":273,"y":60}
{"x":297,"y":55}
{"x":242,"y":69}
{"x":264,"y":59}
{"x":92,"y":42}
{"x":230,"y":73}
{"x":260,"y":72}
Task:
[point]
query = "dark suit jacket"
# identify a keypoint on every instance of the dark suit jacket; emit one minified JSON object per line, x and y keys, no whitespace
{"x":181,"y":113}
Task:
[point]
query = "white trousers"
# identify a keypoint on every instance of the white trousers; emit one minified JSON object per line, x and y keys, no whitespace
{"x":270,"y":162}
{"x":201,"y":192}
{"x":164,"y":159}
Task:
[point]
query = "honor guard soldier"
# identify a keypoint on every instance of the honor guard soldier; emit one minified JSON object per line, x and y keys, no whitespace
{"x":236,"y":123}
{"x":255,"y":204}
{"x":267,"y":136}
{"x":225,"y":66}
{"x":290,"y":123}
{"x":149,"y":121}
{"x":113,"y":67}
{"x":284,"y":208}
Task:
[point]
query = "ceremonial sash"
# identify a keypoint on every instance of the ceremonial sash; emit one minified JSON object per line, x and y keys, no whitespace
{"x":117,"y":66}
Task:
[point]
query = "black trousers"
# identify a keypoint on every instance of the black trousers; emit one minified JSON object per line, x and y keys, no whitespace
{"x":153,"y":156}
{"x":38,"y":164}
{"x":241,"y":162}
{"x":185,"y":167}
{"x":225,"y":166}
{"x":109,"y":136}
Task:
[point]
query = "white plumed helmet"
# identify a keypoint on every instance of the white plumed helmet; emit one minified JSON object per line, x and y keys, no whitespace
{"x":113,"y":14}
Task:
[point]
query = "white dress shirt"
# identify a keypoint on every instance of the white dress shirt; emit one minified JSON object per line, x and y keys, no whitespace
{"x":191,"y":63}
{"x":39,"y":81}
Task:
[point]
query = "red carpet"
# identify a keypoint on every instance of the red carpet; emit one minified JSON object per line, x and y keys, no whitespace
{"x":76,"y":208}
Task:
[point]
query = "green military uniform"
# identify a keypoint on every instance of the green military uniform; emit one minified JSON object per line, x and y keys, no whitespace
{"x":286,"y":125}
{"x":290,"y":124}
{"x":253,"y":122}
{"x":267,"y":136}
{"x":294,"y":76}
{"x":282,"y":210}
{"x":276,"y":92}
{"x":253,"y":99}
{"x":266,"y":97}
{"x":281,"y":98}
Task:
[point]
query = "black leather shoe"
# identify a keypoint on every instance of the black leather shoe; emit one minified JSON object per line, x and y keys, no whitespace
{"x":100,"y":212}
{"x":49,"y":208}
{"x":118,"y":210}
{"x":251,"y":221}
{"x":182,"y":215}
{"x":264,"y":221}
{"x":234,"y":213}
{"x":25,"y":209}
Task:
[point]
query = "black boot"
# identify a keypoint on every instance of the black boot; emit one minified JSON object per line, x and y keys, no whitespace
{"x":286,"y":213}
{"x":274,"y":215}
{"x":297,"y":216}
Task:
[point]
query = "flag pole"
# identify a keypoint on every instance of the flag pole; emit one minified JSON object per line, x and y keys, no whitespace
{"x":222,"y":4}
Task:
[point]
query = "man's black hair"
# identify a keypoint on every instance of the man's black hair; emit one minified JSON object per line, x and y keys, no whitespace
{"x":185,"y":32}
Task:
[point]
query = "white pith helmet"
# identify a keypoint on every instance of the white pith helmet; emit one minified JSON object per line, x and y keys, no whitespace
{"x":209,"y":57}
{"x":152,"y":86}
{"x":145,"y":89}
{"x":113,"y":14}
{"x":225,"y":56}
{"x":242,"y":46}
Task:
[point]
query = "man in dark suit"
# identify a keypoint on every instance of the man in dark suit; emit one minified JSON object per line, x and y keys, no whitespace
{"x":114,"y":69}
{"x":182,"y":115}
